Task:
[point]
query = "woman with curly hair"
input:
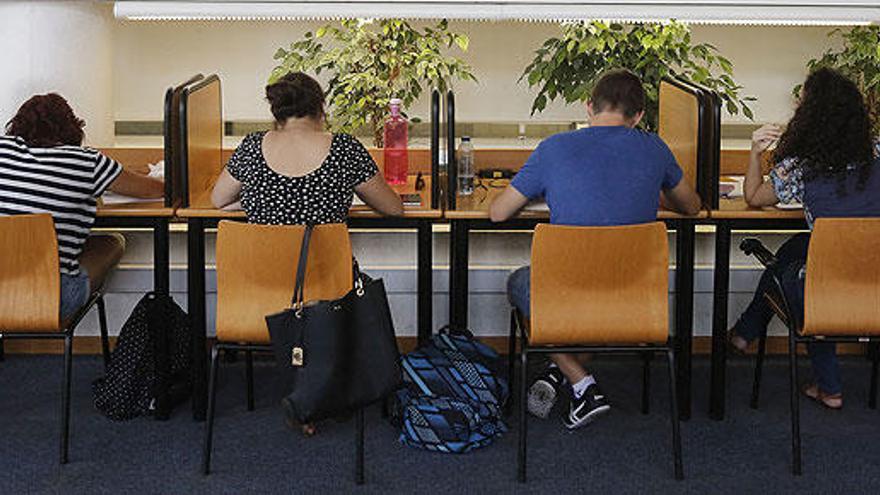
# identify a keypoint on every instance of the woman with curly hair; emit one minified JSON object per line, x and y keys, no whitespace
{"x":827,"y":160}
{"x":45,"y":169}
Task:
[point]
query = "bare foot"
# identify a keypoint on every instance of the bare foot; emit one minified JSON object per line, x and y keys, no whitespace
{"x":831,"y":401}
{"x":308,"y":429}
{"x":737,"y":343}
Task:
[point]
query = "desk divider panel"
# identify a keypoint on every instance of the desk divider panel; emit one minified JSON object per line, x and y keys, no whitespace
{"x":690,"y":124}
{"x":436,"y":186}
{"x":201,"y":137}
{"x":174,"y":193}
{"x":451,"y":162}
{"x":679,"y":125}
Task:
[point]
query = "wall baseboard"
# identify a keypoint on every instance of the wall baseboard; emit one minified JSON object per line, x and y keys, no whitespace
{"x":91,"y":345}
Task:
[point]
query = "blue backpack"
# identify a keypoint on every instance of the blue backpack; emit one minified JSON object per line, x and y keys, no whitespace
{"x":451,"y":401}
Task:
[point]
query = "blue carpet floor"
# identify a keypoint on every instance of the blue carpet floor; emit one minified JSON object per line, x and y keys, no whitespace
{"x":624,"y":452}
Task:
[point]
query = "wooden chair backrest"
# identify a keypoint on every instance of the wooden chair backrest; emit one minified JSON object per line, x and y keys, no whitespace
{"x":204,"y":139}
{"x":842,"y":291}
{"x":599,"y":285}
{"x":679,"y":126}
{"x":30,"y":279}
{"x":256,"y":273}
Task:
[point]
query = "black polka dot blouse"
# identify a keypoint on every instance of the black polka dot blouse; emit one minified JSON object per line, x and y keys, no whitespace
{"x":321,"y":196}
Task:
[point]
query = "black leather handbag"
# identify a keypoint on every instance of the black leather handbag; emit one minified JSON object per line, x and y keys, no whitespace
{"x":342,"y":354}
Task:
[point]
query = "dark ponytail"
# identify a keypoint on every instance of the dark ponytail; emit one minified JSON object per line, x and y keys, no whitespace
{"x":295,"y":95}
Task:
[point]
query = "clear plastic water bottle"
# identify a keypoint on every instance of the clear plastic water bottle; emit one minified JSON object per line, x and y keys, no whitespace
{"x":395,"y":154}
{"x":465,"y":166}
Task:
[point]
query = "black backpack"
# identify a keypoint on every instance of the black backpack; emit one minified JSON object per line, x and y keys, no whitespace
{"x":149,"y":370}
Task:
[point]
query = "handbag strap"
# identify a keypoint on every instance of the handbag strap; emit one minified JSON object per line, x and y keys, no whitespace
{"x":297,"y":300}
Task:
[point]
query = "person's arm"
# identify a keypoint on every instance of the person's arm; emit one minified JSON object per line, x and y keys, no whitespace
{"x":507,"y":204}
{"x":757,"y":192}
{"x":682,"y":199}
{"x":137,"y":185}
{"x":526,"y":185}
{"x":226,"y":190}
{"x":378,"y":195}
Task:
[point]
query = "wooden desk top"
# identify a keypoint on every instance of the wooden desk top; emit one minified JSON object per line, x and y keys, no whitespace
{"x":201,"y":206}
{"x":731,"y":209}
{"x":151,"y":209}
{"x":476,"y":206}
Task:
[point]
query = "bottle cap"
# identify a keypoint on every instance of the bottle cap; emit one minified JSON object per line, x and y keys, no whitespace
{"x":466,"y":139}
{"x":396,"y":101}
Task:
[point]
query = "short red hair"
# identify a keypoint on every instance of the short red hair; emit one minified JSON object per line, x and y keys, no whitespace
{"x":45,"y":121}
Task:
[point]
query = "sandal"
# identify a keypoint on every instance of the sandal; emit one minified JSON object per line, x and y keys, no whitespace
{"x":829,"y":401}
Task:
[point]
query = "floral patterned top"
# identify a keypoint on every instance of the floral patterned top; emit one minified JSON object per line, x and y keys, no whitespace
{"x":788,"y":183}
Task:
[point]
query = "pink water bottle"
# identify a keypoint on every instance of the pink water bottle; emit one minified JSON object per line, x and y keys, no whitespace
{"x":395,"y":154}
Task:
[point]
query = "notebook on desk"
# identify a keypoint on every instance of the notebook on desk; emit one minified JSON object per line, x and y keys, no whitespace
{"x":408,"y":200}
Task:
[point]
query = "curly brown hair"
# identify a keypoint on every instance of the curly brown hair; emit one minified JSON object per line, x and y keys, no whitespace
{"x":830,"y":133}
{"x":45,"y":121}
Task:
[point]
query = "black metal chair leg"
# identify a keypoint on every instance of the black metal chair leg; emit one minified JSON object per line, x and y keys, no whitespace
{"x":673,"y":409}
{"x":875,"y":364}
{"x":759,"y":369}
{"x":795,"y":407}
{"x":523,"y":415}
{"x":2,"y":350}
{"x":105,"y":338}
{"x":646,"y":381}
{"x":249,"y":372}
{"x":359,"y":448}
{"x":209,"y":424}
{"x":65,"y":397}
{"x":511,"y":356}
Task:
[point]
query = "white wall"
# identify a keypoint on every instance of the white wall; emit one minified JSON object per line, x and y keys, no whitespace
{"x":66,"y":47}
{"x":150,"y":56}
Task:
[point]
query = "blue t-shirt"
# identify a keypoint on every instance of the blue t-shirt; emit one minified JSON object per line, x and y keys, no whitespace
{"x":599,"y":176}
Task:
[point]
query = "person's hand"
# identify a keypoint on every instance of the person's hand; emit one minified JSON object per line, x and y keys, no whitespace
{"x":765,"y":137}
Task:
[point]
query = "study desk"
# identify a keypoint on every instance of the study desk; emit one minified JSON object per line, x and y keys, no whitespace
{"x":201,"y":215}
{"x":735,"y":214}
{"x":472,"y":212}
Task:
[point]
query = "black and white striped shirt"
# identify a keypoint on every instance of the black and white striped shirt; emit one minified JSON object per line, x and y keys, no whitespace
{"x":63,"y":181}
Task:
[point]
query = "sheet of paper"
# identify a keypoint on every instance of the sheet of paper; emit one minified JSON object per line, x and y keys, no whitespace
{"x":157,"y":171}
{"x":731,"y":188}
{"x":789,"y":206}
{"x":537,"y":206}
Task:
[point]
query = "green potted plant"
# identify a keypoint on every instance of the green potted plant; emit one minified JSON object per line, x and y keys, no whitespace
{"x":569,"y":65}
{"x":858,"y":59}
{"x":370,"y":62}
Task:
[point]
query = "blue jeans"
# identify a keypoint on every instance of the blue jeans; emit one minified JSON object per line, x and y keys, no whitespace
{"x":791,"y":256}
{"x":518,"y":287}
{"x":74,"y":292}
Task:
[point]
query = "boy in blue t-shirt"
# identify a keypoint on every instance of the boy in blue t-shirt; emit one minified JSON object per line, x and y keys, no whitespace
{"x":607,"y":174}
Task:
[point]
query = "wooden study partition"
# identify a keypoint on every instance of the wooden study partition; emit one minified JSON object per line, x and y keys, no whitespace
{"x":201,"y":138}
{"x":174,"y":192}
{"x":690,"y":124}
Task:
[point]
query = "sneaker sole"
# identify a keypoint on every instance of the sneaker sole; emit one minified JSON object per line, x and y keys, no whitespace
{"x":589,"y":418}
{"x":542,"y":398}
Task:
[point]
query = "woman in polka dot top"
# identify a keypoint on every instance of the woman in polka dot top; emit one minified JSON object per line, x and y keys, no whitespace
{"x":299,"y":173}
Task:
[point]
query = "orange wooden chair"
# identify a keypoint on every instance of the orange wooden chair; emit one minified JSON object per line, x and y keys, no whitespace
{"x":841,"y":301}
{"x":256,"y":271}
{"x":596,"y":289}
{"x":30,"y":292}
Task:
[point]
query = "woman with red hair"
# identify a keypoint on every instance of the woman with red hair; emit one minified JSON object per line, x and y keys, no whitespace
{"x":45,"y":169}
